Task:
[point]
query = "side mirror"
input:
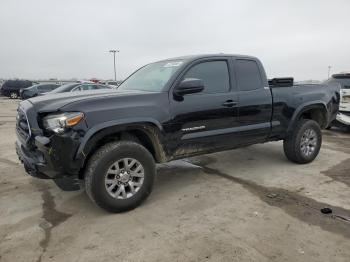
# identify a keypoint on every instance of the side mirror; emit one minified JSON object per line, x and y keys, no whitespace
{"x":189,"y":86}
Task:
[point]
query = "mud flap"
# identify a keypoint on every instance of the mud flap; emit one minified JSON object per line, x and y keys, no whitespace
{"x":68,"y":183}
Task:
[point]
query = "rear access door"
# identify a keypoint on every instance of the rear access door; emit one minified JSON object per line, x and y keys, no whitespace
{"x":255,"y":100}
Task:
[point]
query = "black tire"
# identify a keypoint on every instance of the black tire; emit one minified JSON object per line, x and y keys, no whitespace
{"x":292,"y":144}
{"x":14,"y":95}
{"x":97,"y":168}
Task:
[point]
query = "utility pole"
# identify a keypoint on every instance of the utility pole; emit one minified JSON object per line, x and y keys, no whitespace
{"x":329,"y":71}
{"x":114,"y":51}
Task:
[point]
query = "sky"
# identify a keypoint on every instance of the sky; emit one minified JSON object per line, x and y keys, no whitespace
{"x":71,"y":38}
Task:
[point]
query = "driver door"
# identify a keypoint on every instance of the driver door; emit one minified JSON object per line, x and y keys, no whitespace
{"x":205,"y":121}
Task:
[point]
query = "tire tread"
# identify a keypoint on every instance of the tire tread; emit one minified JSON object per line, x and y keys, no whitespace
{"x":94,"y":161}
{"x":291,"y":145}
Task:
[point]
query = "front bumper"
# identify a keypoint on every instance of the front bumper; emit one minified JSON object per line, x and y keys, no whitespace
{"x":37,"y":163}
{"x":49,"y":157}
{"x":344,"y":118}
{"x":46,"y":155}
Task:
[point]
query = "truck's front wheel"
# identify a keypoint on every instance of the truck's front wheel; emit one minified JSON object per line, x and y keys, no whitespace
{"x":120,"y":176}
{"x":303,"y":144}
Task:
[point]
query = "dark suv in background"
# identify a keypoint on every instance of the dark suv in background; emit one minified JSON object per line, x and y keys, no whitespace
{"x":11,"y":88}
{"x":35,"y":90}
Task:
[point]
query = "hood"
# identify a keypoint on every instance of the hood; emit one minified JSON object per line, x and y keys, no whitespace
{"x":53,"y":102}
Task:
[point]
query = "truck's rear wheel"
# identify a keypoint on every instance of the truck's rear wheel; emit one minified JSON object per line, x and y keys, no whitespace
{"x":120,"y":176}
{"x":303,"y":145}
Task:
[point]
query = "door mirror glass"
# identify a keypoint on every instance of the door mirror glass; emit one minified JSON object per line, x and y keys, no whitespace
{"x":189,"y":86}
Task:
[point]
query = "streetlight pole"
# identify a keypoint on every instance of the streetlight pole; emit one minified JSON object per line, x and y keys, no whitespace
{"x":114,"y":51}
{"x":329,"y":71}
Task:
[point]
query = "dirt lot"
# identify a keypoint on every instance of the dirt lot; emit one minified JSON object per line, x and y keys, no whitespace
{"x":249,"y":204}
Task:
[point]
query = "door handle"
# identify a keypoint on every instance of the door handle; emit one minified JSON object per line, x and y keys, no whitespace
{"x":229,"y":103}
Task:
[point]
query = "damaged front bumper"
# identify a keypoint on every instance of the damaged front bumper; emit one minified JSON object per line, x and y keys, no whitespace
{"x":38,"y":162}
{"x":42,"y":161}
{"x":45,"y":155}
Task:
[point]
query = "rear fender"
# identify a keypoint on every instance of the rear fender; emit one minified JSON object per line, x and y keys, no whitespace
{"x":304,"y":108}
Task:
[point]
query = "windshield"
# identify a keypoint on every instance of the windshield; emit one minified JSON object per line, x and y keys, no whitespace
{"x":33,"y":86}
{"x":152,"y":77}
{"x":344,"y":82}
{"x":64,"y":88}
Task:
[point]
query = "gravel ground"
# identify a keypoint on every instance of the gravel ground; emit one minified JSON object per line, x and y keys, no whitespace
{"x":249,"y":204}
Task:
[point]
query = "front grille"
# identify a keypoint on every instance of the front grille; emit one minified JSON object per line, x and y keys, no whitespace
{"x":22,"y":125}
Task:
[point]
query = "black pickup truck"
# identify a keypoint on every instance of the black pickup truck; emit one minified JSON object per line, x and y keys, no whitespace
{"x":168,"y":110}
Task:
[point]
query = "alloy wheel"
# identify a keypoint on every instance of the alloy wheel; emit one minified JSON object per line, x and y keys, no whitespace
{"x":308,"y":142}
{"x":124,"y":178}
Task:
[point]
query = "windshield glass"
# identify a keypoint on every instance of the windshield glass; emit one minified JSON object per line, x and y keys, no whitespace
{"x":344,"y":82}
{"x":64,"y":88}
{"x":33,"y":86}
{"x":152,"y":77}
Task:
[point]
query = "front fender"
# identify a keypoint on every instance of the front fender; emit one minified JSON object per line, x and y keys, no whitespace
{"x":113,"y":127}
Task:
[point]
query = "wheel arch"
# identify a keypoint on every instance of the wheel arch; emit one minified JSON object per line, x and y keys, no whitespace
{"x":313,"y":111}
{"x":145,"y":132}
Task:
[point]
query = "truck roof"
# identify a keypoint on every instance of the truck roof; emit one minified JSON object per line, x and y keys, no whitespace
{"x":199,"y":56}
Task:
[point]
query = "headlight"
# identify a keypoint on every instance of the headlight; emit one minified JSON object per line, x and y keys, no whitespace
{"x":58,"y":122}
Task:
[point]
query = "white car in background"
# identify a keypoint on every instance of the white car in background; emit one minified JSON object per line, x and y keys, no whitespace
{"x":112,"y":83}
{"x":343,"y":117}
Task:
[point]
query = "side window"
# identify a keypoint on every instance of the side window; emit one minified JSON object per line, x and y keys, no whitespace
{"x":214,"y":74}
{"x":51,"y":87}
{"x":248,"y":75}
{"x":42,"y":88}
{"x":77,"y":88}
{"x":88,"y":87}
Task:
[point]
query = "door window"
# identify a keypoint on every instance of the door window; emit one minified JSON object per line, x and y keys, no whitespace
{"x":51,"y":87}
{"x":214,"y":74}
{"x":42,"y":88}
{"x":88,"y":87}
{"x":102,"y":87}
{"x":78,"y":88}
{"x":248,"y":75}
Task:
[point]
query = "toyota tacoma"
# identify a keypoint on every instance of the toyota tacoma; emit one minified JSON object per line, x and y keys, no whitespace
{"x":171,"y":109}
